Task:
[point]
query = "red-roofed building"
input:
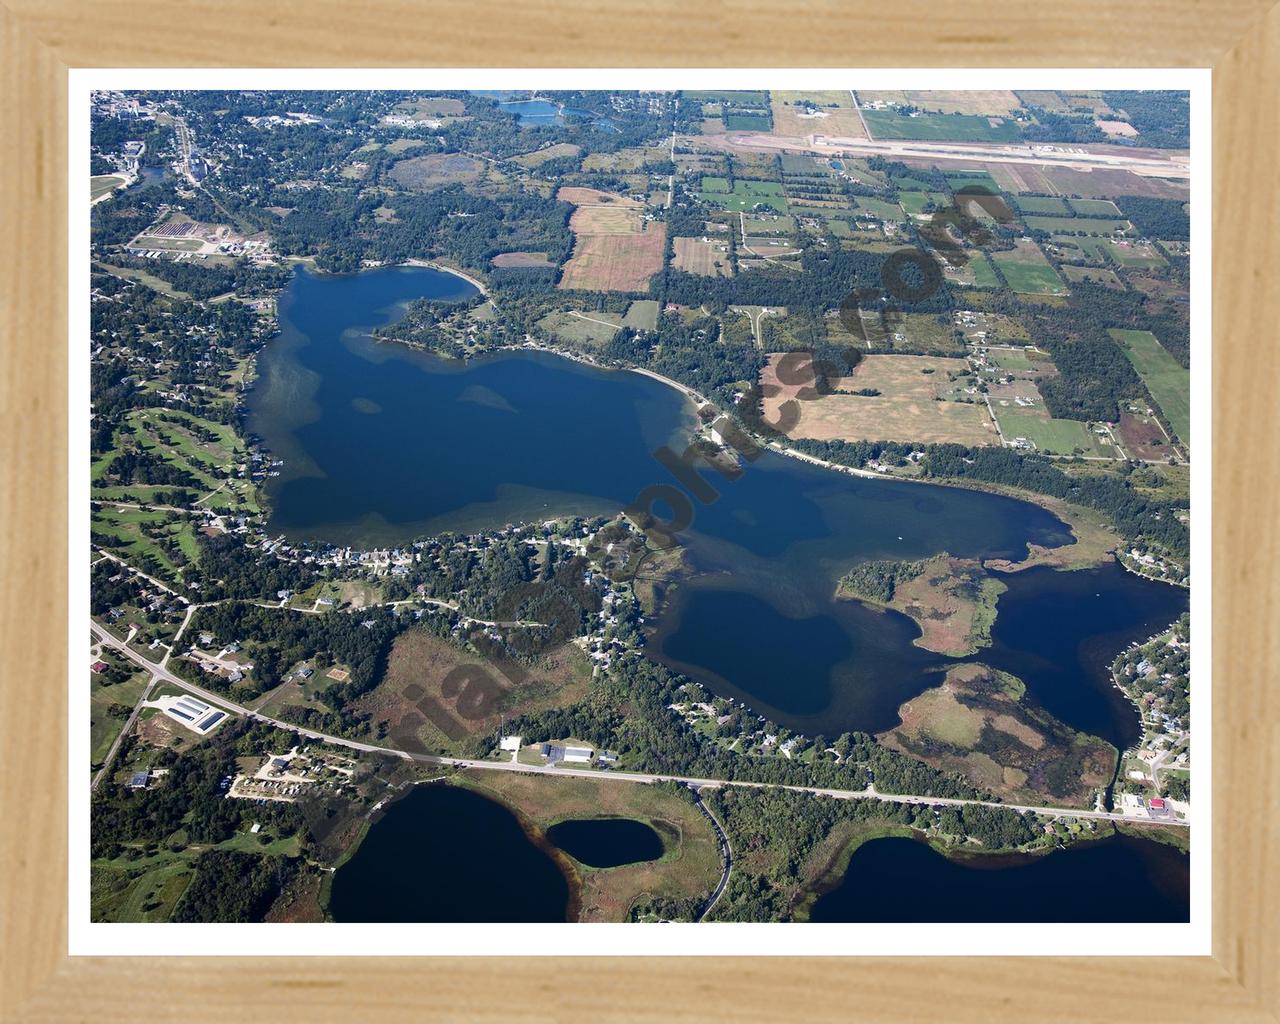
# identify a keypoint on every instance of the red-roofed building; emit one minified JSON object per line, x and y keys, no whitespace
{"x":1157,"y":804}
{"x":99,"y":666}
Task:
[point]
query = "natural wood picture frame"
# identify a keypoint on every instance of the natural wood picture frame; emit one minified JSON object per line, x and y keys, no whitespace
{"x":42,"y":39}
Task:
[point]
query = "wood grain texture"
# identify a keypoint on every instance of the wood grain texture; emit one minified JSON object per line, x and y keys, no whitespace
{"x":39,"y":39}
{"x":593,"y":33}
{"x":33,"y":512}
{"x":1246,"y":540}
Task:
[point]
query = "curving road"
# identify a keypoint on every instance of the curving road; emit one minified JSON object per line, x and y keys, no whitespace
{"x":726,"y":854}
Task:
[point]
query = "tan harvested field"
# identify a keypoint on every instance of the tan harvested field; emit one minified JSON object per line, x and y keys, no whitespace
{"x":607,"y":220}
{"x":906,"y":409}
{"x":541,"y":156}
{"x":698,"y":256}
{"x":415,"y":674}
{"x":587,"y":198}
{"x":1117,"y":129}
{"x":835,"y":115}
{"x":688,"y":869}
{"x":1106,"y":183}
{"x":522,"y":259}
{"x":615,"y":263}
{"x":987,"y":102}
{"x":1018,"y":178}
{"x":614,"y":249}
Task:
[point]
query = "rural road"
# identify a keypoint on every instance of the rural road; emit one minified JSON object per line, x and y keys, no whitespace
{"x":726,"y":854}
{"x":870,"y":793}
{"x":124,"y":731}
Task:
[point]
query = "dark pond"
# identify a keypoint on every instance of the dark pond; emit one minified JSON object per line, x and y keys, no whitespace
{"x":443,"y":853}
{"x":383,"y":444}
{"x":150,"y":176}
{"x":1119,"y":879}
{"x":606,"y":842}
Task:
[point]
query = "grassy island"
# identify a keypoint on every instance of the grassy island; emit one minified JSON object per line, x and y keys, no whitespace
{"x":953,"y":600}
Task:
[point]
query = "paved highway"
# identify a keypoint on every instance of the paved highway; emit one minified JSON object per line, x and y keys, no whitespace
{"x":870,"y":793}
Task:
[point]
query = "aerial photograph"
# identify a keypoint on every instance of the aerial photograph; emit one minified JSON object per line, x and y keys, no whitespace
{"x":638,"y":506}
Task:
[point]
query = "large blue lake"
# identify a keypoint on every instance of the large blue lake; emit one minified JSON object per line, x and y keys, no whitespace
{"x":383,"y":444}
{"x":1117,"y":879}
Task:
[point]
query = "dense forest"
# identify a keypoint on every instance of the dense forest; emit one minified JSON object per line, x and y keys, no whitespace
{"x":629,"y":712}
{"x":190,"y":796}
{"x":230,"y":886}
{"x":878,"y":580}
{"x":1163,"y":119}
{"x":1165,"y":219}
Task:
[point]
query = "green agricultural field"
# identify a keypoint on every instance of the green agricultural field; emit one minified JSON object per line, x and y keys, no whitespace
{"x":915,"y":202}
{"x":747,"y":121}
{"x":642,"y":315}
{"x":976,"y":273}
{"x":960,"y":179}
{"x":879,"y":209}
{"x":1050,"y":205}
{"x":983,"y":275}
{"x":1084,"y":247}
{"x":1027,"y":271}
{"x":889,"y":124}
{"x":574,"y":329}
{"x":1086,"y":225}
{"x":1168,"y":380}
{"x":769,"y":224}
{"x":1009,"y":359}
{"x":1138,"y":256}
{"x":746,"y":195}
{"x":1095,"y":207}
{"x":712,"y":183}
{"x":1096,"y":275}
{"x":805,"y":166}
{"x":104,"y":728}
{"x":1053,"y":437}
{"x":104,"y":183}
